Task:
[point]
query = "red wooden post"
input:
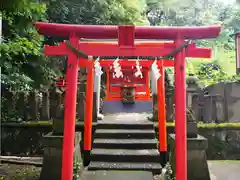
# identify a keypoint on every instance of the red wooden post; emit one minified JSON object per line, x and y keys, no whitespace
{"x":107,"y":69}
{"x":70,"y":113}
{"x":161,"y":110}
{"x":89,"y":109}
{"x":180,"y":113}
{"x":146,"y":75}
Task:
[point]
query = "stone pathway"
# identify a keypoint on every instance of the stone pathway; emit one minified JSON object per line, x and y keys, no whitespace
{"x":118,"y":175}
{"x":224,"y":170}
{"x":128,"y":118}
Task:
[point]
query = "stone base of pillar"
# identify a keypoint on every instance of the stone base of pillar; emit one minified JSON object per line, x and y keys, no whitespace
{"x":155,"y":107}
{"x":196,"y":157}
{"x":52,"y":160}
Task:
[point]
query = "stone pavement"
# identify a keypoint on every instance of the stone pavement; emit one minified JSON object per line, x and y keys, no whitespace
{"x":126,"y":118}
{"x":117,"y":175}
{"x":224,"y":170}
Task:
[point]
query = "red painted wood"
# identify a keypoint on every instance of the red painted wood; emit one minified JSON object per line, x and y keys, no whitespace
{"x":89,"y":109}
{"x":70,"y":113}
{"x":107,"y":49}
{"x":126,"y":36}
{"x":141,"y":32}
{"x":114,"y":50}
{"x":138,"y":97}
{"x":162,"y":111}
{"x":180,"y":114}
{"x":130,"y":80}
{"x":60,"y":50}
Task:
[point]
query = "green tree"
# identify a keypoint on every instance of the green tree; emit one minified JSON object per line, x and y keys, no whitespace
{"x":111,"y":12}
{"x":22,"y":62}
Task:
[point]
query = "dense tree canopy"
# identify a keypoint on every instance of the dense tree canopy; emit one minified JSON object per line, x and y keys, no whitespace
{"x":22,"y":62}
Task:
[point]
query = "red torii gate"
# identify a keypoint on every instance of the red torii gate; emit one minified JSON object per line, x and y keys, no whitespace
{"x":125,"y":47}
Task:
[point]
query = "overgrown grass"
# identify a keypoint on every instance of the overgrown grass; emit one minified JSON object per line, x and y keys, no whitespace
{"x":46,"y":123}
{"x":225,"y":161}
{"x":17,"y":172}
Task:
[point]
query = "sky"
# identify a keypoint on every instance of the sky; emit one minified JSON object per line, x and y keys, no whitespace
{"x":227,"y":1}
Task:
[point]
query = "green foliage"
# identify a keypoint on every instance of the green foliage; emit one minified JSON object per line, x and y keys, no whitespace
{"x":201,"y":13}
{"x":96,"y":12}
{"x":22,"y":61}
{"x":212,"y":72}
{"x":76,"y":170}
{"x":169,"y":172}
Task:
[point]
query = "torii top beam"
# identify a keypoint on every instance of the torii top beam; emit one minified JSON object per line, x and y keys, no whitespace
{"x":141,"y":32}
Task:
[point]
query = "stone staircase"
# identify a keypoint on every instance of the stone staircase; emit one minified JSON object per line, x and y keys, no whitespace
{"x":125,"y":146}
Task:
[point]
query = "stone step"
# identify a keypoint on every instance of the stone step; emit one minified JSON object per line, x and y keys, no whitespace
{"x":125,"y":155}
{"x":153,"y":167}
{"x":125,"y":125}
{"x":125,"y":133}
{"x":117,"y":175}
{"x":125,"y":143}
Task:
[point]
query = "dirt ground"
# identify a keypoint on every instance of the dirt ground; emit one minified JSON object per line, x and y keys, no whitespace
{"x":19,"y":172}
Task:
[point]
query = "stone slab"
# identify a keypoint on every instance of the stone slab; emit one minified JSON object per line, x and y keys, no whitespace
{"x":127,"y":118}
{"x":193,"y":143}
{"x":231,"y":95}
{"x":224,"y":170}
{"x":118,"y":175}
{"x":112,"y":107}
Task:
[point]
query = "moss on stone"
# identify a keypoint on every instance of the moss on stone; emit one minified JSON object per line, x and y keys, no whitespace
{"x":212,"y":125}
{"x":220,"y":125}
{"x":169,"y":124}
{"x":224,"y":161}
{"x":38,"y":123}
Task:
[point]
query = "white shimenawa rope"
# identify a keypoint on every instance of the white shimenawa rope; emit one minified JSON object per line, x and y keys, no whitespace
{"x":138,"y":72}
{"x":97,"y":66}
{"x":117,"y":69}
{"x":155,"y":70}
